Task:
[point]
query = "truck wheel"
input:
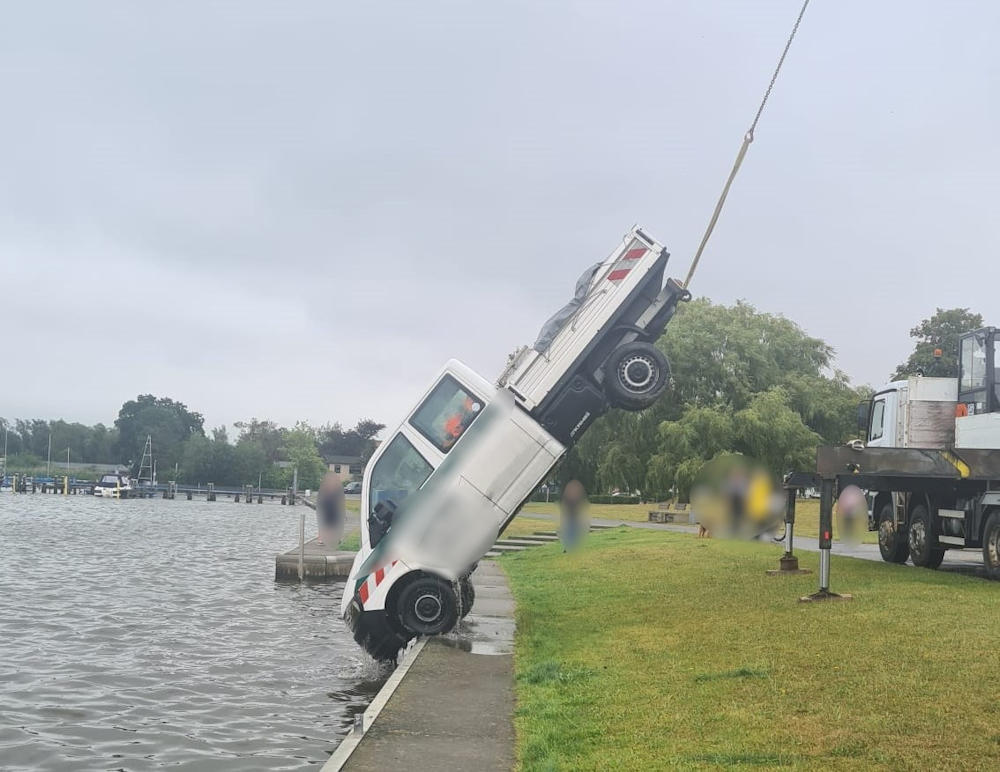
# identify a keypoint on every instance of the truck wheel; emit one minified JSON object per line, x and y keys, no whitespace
{"x":428,"y":606}
{"x":892,"y":541}
{"x":468,"y":595}
{"x":922,"y":538}
{"x":635,"y":375}
{"x":991,"y":545}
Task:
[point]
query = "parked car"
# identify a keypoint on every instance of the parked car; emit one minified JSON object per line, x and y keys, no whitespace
{"x":352,"y":487}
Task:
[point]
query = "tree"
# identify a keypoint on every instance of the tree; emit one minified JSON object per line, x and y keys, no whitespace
{"x":360,"y":441}
{"x":302,"y":454}
{"x":941,"y":331}
{"x":769,"y":431}
{"x":735,"y":370}
{"x":169,"y":423}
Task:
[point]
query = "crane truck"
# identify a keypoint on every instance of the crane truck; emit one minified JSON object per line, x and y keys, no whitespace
{"x":929,"y":461}
{"x":453,"y":473}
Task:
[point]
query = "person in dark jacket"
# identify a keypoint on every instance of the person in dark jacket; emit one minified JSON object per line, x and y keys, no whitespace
{"x":330,"y":509}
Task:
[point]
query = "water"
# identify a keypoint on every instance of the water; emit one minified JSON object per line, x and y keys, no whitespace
{"x":147,"y":633}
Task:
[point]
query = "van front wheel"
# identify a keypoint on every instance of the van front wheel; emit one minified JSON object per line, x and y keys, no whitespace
{"x":635,"y":375}
{"x":428,"y":606}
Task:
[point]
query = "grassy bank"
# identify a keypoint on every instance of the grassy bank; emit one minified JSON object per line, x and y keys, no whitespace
{"x":806,"y":516}
{"x":652,"y":650}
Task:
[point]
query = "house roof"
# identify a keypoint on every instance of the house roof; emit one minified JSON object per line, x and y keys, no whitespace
{"x":343,"y":459}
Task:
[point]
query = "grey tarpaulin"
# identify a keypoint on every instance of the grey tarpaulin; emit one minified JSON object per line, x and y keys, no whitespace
{"x":555,"y":323}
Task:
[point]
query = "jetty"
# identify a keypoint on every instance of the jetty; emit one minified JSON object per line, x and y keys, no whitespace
{"x":313,"y":560}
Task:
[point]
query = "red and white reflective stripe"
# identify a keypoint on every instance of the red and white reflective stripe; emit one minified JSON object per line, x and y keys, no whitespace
{"x":625,"y":263}
{"x":378,"y":576}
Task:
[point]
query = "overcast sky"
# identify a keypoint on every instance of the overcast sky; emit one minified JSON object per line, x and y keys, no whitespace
{"x":300,"y":210}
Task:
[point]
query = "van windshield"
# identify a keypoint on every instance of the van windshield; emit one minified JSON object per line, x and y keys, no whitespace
{"x":446,"y":413}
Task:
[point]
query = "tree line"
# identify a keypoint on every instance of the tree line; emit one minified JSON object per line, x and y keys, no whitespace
{"x":743,"y":382}
{"x":262,"y":452}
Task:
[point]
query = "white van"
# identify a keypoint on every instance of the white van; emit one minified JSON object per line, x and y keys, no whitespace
{"x":448,"y":479}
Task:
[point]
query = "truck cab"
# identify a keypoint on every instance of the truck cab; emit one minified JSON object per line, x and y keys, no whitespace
{"x":931,"y":460}
{"x":917,"y":412}
{"x":449,"y":477}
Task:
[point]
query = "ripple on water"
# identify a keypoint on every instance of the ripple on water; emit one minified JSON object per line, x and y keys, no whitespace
{"x":141,"y":634}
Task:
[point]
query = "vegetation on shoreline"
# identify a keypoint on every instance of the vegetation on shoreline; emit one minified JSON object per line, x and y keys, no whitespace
{"x":701,"y":661}
{"x":263,"y":453}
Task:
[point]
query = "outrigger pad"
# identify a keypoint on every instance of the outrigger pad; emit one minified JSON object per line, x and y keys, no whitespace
{"x":825,"y":595}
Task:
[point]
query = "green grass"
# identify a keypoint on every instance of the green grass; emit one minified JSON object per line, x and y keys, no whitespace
{"x":526,"y":526}
{"x":806,"y":516}
{"x":351,"y":541}
{"x":656,"y":650}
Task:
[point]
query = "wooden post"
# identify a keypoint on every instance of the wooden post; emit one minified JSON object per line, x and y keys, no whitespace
{"x":302,"y":546}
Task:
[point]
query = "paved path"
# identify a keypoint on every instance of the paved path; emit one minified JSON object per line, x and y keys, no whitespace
{"x":454,"y":709}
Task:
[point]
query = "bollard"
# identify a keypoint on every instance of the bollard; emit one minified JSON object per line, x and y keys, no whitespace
{"x":283,"y":500}
{"x":260,"y":499}
{"x":211,"y":492}
{"x":65,"y":486}
{"x":291,"y":497}
{"x":189,"y":495}
{"x":236,"y":498}
{"x":302,"y":545}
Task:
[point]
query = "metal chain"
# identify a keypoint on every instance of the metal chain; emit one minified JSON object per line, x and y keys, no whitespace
{"x":747,"y":139}
{"x":777,"y":69}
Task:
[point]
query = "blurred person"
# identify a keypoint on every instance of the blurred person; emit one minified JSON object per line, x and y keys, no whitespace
{"x":572,"y":514}
{"x":330,"y":509}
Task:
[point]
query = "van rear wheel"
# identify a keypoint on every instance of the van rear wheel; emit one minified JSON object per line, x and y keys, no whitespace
{"x":635,"y":375}
{"x":428,"y":606}
{"x":892,"y":541}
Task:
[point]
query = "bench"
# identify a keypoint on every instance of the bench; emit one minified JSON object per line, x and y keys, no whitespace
{"x":667,"y":512}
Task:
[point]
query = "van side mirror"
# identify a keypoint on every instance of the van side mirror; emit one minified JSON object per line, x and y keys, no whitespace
{"x":864,"y":413}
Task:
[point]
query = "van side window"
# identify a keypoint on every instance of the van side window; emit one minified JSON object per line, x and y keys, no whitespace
{"x":446,"y":413}
{"x":878,"y":420}
{"x":399,"y":472}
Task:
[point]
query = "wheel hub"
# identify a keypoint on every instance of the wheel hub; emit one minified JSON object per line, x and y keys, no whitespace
{"x":918,"y":537}
{"x":427,"y":608}
{"x":637,"y":373}
{"x":886,"y":533}
{"x":993,"y":547}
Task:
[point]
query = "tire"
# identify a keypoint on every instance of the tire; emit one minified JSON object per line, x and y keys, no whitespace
{"x":892,"y":543}
{"x":991,"y":545}
{"x":428,"y":606}
{"x":468,"y":595}
{"x":635,"y":375}
{"x":922,"y":537}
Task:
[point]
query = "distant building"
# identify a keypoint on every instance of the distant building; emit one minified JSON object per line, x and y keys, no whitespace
{"x":345,"y":467}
